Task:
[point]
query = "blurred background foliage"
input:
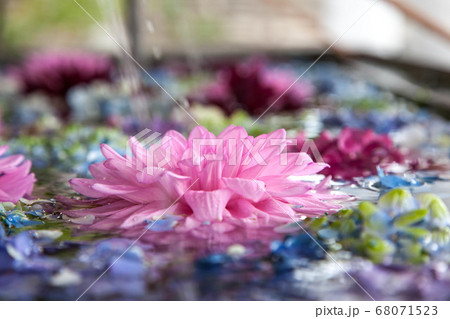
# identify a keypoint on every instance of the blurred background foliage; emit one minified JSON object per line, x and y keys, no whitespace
{"x":31,"y":23}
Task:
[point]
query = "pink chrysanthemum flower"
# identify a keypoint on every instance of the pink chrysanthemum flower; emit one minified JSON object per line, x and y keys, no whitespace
{"x":15,"y":178}
{"x":354,"y":152}
{"x":229,"y":181}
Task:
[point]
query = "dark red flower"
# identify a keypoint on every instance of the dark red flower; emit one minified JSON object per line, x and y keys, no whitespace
{"x":55,"y":74}
{"x":253,"y":87}
{"x":354,"y":152}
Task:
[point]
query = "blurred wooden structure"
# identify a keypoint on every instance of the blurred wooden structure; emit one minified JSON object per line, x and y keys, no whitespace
{"x":197,"y":28}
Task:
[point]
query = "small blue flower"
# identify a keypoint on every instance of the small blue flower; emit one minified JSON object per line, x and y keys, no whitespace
{"x":296,"y":251}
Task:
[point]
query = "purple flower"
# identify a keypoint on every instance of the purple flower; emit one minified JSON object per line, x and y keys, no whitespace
{"x":252,"y":86}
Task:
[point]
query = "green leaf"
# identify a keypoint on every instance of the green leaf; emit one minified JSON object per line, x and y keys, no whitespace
{"x":367,"y":209}
{"x":347,"y":226}
{"x":417,"y":232}
{"x":441,"y":237}
{"x":345,"y":213}
{"x":437,"y":207}
{"x":316,"y":223}
{"x":376,"y":248}
{"x":397,"y":200}
{"x":414,"y":253}
{"x":439,"y":211}
{"x":410,"y":218}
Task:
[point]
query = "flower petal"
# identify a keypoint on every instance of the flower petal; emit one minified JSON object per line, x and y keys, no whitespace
{"x":248,"y":188}
{"x":208,"y":205}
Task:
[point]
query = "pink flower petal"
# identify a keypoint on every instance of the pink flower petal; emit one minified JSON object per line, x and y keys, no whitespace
{"x":250,"y":189}
{"x":208,"y":205}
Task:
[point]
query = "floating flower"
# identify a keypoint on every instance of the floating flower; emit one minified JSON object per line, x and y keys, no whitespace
{"x":296,"y":251}
{"x":224,"y":182}
{"x":125,"y":280}
{"x":402,"y":227}
{"x":253,"y":87}
{"x":15,"y":178}
{"x":393,"y":181}
{"x":385,"y":282}
{"x":72,"y":150}
{"x":354,"y":152}
{"x":17,"y":218}
{"x":381,"y":121}
{"x":56,"y":73}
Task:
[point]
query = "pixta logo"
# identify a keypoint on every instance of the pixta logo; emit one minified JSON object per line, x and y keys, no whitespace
{"x":147,"y":151}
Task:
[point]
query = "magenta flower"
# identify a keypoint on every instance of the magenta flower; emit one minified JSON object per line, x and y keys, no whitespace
{"x":15,"y":178}
{"x":354,"y":152}
{"x":253,"y":87}
{"x":229,"y":181}
{"x":55,"y":74}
